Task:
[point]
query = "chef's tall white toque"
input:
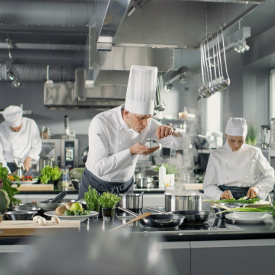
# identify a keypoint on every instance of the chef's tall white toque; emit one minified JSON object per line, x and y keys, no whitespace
{"x":13,"y":116}
{"x":236,"y":126}
{"x":141,"y":90}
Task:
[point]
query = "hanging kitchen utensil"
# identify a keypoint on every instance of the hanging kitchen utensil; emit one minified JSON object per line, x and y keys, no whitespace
{"x":144,"y":215}
{"x":226,"y":82}
{"x":158,"y":220}
{"x":159,"y":105}
{"x":212,"y":66}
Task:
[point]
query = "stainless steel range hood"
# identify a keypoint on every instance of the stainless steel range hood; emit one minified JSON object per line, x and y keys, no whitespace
{"x":69,"y":95}
{"x":104,"y":84}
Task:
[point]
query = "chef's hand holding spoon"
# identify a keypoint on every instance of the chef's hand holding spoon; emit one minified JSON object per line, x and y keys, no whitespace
{"x":167,"y":130}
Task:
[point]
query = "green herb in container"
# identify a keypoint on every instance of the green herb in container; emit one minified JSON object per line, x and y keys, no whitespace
{"x":108,"y":202}
{"x":91,"y":198}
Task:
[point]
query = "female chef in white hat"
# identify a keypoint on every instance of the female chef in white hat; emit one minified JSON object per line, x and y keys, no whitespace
{"x":19,"y":140}
{"x":118,"y":136}
{"x":236,"y":169}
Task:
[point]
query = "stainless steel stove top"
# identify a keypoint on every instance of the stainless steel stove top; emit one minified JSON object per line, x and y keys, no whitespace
{"x":210,"y":226}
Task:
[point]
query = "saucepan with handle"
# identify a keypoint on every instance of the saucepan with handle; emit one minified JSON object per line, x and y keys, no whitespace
{"x":158,"y":220}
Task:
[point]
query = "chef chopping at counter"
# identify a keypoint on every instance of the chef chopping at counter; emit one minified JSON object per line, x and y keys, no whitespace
{"x":19,"y":140}
{"x":236,"y":169}
{"x":118,"y":136}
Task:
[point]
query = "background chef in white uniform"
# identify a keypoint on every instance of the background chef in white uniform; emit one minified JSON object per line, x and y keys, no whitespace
{"x":118,"y":136}
{"x":237,"y":169}
{"x":19,"y":140}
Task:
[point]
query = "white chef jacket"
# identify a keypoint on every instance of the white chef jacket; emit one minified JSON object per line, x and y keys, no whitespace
{"x":246,"y":167}
{"x":19,"y":145}
{"x":110,"y":138}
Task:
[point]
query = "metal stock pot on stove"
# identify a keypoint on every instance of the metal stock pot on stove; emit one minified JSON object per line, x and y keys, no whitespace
{"x":131,"y":201}
{"x":184,"y":201}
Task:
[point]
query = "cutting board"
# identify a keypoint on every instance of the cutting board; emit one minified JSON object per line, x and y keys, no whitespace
{"x":34,"y":187}
{"x":29,"y":228}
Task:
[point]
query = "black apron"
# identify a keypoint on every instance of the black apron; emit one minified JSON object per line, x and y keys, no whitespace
{"x":237,"y":192}
{"x":88,"y":178}
{"x":12,"y":167}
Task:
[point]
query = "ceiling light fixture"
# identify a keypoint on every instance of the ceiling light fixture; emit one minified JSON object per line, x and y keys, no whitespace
{"x":238,"y":37}
{"x":10,"y":74}
{"x":168,"y":87}
{"x":16,"y":83}
{"x":182,"y":79}
{"x":241,"y":46}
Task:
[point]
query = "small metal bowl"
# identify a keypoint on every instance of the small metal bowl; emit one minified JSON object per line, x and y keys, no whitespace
{"x":26,"y":207}
{"x":20,"y":215}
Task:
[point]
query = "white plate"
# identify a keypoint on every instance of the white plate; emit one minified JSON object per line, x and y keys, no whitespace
{"x":249,"y":215}
{"x":247,"y":219}
{"x":80,"y":217}
{"x":25,"y":181}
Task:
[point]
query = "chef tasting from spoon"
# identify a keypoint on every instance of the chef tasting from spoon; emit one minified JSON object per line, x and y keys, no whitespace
{"x":20,"y":140}
{"x":236,"y":169}
{"x":117,"y":137}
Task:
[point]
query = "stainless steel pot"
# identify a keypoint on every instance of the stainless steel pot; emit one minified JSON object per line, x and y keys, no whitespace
{"x":46,"y":162}
{"x":131,"y":201}
{"x":144,"y":182}
{"x":183,"y":203}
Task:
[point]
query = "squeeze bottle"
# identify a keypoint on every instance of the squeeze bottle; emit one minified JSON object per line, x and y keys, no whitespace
{"x":162,"y":176}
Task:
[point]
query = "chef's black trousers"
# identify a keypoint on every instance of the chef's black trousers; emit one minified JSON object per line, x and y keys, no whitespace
{"x":88,"y":178}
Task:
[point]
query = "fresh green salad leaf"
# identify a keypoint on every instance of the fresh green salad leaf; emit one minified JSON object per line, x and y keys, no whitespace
{"x":49,"y":173}
{"x":76,"y":212}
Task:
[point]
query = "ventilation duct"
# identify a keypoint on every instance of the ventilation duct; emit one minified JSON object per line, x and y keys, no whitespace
{"x":39,"y":73}
{"x":46,"y":13}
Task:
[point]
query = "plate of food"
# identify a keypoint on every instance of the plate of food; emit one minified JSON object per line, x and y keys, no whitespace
{"x":87,"y":215}
{"x":23,"y":180}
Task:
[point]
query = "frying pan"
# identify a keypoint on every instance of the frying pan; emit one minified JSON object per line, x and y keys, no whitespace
{"x":52,"y":204}
{"x":158,"y":220}
{"x":190,"y":215}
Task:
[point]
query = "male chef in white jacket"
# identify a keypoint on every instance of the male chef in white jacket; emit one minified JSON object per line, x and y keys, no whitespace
{"x":118,"y":136}
{"x":236,"y":169}
{"x":19,"y":140}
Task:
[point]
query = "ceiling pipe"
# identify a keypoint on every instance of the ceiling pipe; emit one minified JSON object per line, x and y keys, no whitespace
{"x":48,"y":13}
{"x":43,"y":57}
{"x":40,"y":73}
